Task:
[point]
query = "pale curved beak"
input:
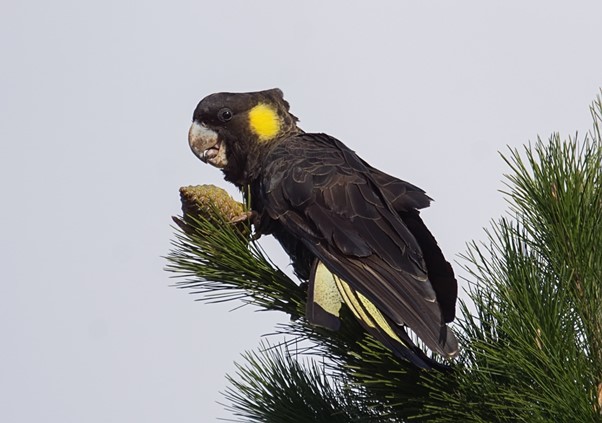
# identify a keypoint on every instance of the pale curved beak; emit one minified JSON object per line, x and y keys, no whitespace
{"x":206,"y":145}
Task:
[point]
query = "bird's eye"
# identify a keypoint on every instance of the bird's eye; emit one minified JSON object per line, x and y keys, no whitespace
{"x":224,"y":114}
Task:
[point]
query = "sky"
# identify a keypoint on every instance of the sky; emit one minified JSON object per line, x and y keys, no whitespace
{"x":96,"y":98}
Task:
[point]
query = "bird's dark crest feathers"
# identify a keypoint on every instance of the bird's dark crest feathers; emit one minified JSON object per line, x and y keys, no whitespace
{"x":328,"y":207}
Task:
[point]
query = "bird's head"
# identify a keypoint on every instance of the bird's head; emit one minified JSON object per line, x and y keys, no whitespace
{"x":231,"y":130}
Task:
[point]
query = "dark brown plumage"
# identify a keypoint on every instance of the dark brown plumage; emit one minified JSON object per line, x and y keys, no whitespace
{"x":327,"y":206}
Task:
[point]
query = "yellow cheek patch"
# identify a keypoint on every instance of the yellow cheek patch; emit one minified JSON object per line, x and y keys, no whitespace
{"x":264,"y":121}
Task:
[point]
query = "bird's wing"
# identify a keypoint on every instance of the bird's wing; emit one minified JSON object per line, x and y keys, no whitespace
{"x":327,"y":292}
{"x":406,"y":199}
{"x":322,"y":193}
{"x":402,"y":195}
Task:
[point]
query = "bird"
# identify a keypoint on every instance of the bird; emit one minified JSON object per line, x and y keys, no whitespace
{"x":353,"y":232}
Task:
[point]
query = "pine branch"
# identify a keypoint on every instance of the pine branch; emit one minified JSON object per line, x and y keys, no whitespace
{"x":274,"y":386}
{"x":533,"y":344}
{"x":219,"y":263}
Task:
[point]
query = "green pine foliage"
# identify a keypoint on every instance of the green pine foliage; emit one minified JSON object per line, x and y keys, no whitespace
{"x":531,"y":334}
{"x":274,"y":385}
{"x":533,"y":344}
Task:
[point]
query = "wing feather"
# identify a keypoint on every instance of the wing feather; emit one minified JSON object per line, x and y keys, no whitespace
{"x":346,"y":220}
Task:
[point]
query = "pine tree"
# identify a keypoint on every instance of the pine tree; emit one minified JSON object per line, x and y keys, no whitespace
{"x":531,"y":332}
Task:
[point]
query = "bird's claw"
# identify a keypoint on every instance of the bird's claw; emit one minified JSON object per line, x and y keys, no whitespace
{"x":243,"y":217}
{"x":253,"y":217}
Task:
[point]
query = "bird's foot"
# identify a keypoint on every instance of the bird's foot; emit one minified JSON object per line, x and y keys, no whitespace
{"x":253,"y":217}
{"x":248,"y":215}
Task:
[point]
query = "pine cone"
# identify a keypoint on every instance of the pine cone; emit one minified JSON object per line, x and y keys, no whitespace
{"x":204,"y":201}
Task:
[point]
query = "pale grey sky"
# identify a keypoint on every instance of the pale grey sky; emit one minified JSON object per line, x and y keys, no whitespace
{"x":95,"y":102}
